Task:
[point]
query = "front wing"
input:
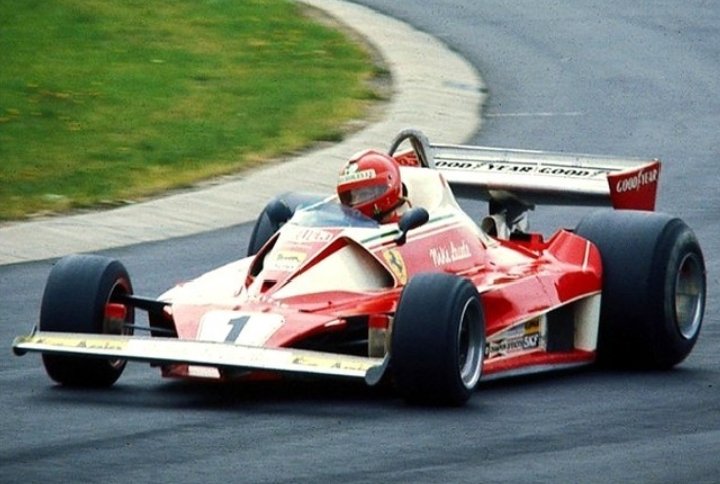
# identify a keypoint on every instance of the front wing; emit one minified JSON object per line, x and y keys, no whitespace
{"x":204,"y":353}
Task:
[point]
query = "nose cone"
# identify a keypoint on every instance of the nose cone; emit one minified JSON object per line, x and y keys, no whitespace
{"x":250,"y":324}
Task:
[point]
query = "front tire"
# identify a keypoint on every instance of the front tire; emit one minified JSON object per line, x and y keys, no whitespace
{"x":654,"y":287}
{"x":438,"y":340}
{"x":77,"y":292}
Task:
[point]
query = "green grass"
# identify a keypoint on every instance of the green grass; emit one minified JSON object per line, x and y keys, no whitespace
{"x":104,"y":101}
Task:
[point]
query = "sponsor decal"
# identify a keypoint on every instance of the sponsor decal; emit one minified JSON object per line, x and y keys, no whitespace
{"x":407,"y":159}
{"x":396,"y":264}
{"x":67,"y":342}
{"x":329,"y":362}
{"x":635,"y":189}
{"x":508,"y":346}
{"x":532,"y":326}
{"x":450,"y":253}
{"x":523,"y":168}
{"x":522,"y":338}
{"x":353,"y":176}
{"x":636,"y":182}
{"x":308,"y":235}
{"x":286,"y":260}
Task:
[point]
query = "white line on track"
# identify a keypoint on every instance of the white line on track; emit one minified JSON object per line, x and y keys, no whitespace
{"x":532,"y":115}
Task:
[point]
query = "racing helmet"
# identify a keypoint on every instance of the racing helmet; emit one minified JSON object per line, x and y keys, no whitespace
{"x":370,"y":182}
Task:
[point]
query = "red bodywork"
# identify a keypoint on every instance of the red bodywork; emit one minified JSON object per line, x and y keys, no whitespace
{"x":530,"y":289}
{"x":431,"y":298}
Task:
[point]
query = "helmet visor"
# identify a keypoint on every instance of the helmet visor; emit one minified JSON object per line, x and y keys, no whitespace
{"x":360,"y":196}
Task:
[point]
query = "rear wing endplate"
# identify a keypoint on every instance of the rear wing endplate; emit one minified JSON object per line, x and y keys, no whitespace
{"x":535,"y":177}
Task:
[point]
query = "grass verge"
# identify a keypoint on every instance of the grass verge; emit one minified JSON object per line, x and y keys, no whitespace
{"x":102,"y":102}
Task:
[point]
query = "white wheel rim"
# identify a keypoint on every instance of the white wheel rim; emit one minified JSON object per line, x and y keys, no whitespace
{"x":470,"y":345}
{"x":689,"y":296}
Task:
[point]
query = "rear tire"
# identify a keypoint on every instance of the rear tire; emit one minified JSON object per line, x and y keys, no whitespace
{"x":653,"y":287}
{"x":265,"y":227}
{"x":438,"y":340}
{"x":76,"y":293}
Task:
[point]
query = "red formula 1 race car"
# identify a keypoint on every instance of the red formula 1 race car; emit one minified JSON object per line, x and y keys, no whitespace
{"x":354,"y":285}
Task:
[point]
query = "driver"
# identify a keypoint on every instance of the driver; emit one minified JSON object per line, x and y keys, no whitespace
{"x":370,"y":182}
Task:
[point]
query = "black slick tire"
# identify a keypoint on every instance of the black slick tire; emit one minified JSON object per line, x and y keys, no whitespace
{"x":76,"y":294}
{"x":654,"y":287}
{"x":438,"y":340}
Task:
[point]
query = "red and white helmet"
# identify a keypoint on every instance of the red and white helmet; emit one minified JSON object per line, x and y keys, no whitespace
{"x":370,"y":183}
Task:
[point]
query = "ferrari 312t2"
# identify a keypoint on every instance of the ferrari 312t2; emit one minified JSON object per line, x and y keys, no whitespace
{"x":422,"y":295}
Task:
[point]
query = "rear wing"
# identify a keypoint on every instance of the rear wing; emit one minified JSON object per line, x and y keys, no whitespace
{"x":506,"y":176}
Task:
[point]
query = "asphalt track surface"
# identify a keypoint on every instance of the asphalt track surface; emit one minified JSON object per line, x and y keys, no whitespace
{"x":607,"y":78}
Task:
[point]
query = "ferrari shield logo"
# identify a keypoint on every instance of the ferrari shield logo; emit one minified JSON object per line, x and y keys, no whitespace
{"x":396,"y":264}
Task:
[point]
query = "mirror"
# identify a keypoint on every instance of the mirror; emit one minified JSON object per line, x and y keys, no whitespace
{"x":412,"y":219}
{"x":278,"y":212}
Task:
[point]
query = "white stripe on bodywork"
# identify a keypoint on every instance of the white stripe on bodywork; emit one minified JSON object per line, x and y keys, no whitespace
{"x":586,"y":257}
{"x":587,"y":322}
